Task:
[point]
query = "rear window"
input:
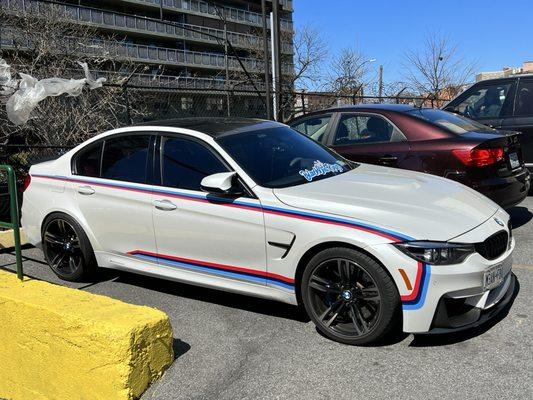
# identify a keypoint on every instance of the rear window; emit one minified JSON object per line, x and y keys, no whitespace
{"x":452,"y":122}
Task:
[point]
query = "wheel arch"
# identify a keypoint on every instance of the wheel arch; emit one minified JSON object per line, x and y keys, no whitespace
{"x":317,"y":248}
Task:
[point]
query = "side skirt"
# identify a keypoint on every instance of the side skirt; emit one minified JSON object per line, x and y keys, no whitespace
{"x":149,"y":268}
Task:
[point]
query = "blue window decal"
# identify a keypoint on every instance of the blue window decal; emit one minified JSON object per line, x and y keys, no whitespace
{"x":320,"y":168}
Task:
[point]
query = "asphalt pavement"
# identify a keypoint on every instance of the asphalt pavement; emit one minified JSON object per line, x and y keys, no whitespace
{"x":235,"y":347}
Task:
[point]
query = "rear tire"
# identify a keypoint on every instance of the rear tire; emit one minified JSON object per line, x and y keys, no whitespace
{"x":350,"y":297}
{"x":67,"y":249}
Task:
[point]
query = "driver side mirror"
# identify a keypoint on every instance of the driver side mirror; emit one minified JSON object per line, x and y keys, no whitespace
{"x":221,"y":183}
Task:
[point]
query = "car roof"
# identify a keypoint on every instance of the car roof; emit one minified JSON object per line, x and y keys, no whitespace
{"x":365,"y":107}
{"x":214,"y":126}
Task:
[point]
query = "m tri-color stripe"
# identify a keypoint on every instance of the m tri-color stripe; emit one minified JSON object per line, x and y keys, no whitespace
{"x":223,"y":270}
{"x":417,"y":297}
{"x":390,"y":235}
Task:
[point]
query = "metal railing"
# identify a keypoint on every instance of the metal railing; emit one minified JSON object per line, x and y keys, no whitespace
{"x":143,"y":53}
{"x":14,"y":214}
{"x":118,"y":21}
{"x":200,"y":7}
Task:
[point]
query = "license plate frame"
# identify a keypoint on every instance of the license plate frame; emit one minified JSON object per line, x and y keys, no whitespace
{"x":493,"y":277}
{"x":514,"y":162}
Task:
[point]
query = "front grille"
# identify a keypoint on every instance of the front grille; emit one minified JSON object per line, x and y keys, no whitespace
{"x":494,"y":246}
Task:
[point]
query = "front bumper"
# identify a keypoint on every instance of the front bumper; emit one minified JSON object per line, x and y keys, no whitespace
{"x":454,"y":315}
{"x":450,"y":296}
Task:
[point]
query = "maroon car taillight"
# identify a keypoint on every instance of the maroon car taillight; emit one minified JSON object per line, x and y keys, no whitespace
{"x":479,"y":157}
{"x":27,"y":181}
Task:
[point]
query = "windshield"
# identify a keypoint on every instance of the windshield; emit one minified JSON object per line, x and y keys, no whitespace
{"x":281,"y":157}
{"x":453,"y":122}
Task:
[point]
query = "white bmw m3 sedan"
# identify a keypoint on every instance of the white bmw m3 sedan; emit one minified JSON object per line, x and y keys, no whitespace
{"x":253,"y":207}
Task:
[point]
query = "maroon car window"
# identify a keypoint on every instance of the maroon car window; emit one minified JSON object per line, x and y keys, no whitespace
{"x":314,"y":127}
{"x":362,"y":129}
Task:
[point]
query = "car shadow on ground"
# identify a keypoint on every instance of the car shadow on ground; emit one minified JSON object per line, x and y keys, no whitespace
{"x":433,"y":340}
{"x":226,"y":299}
{"x":520,"y":216}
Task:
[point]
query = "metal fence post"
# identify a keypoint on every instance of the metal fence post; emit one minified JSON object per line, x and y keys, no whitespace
{"x":14,"y":213}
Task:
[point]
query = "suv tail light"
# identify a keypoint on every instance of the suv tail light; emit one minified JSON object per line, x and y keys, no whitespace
{"x":27,"y":181}
{"x":479,"y":157}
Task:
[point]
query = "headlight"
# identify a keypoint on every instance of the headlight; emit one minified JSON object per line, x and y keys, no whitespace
{"x":436,"y":253}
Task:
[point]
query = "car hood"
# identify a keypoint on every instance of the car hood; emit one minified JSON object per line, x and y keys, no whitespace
{"x":416,"y":205}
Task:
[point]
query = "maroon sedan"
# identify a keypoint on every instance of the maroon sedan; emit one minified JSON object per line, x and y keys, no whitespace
{"x":426,"y":140}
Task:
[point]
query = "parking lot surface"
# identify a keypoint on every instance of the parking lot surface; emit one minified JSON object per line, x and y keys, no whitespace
{"x":233,"y":347}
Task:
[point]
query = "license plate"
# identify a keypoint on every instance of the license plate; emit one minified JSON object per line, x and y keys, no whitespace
{"x":513,"y":159}
{"x":493,"y":277}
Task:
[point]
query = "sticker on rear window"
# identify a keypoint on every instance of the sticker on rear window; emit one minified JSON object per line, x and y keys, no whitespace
{"x":319,"y":168}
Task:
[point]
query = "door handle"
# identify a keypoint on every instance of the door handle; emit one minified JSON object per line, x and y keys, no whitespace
{"x":388,"y":159}
{"x":86,"y":190}
{"x":165,"y":205}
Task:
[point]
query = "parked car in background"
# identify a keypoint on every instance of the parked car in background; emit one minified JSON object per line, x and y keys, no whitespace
{"x":505,"y":103}
{"x":426,"y":140}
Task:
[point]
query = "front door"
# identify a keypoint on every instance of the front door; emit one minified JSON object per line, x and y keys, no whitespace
{"x":369,"y":138}
{"x":207,"y":239}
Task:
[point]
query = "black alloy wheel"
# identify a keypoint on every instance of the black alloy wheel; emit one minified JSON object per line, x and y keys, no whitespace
{"x":66,"y":248}
{"x":349,"y":296}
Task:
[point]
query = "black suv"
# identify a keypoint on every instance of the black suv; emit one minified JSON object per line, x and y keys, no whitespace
{"x":505,"y":104}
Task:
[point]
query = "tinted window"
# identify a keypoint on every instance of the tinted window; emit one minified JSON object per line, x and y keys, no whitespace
{"x":125,"y":158}
{"x":453,"y":122}
{"x":362,"y":129}
{"x":524,"y":100}
{"x":88,"y":161}
{"x":491,"y":101}
{"x":281,"y":157}
{"x":184,"y":163}
{"x":314,"y":127}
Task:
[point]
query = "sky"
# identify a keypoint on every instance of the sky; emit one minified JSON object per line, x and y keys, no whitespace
{"x":492,"y":33}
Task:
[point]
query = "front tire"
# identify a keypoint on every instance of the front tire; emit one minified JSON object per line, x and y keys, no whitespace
{"x":349,"y":296}
{"x":67,"y":249}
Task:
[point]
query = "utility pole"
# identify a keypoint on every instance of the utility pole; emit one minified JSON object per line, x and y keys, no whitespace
{"x":267,"y":63}
{"x":380,"y":84}
{"x":226,"y":61}
{"x":276,"y":64}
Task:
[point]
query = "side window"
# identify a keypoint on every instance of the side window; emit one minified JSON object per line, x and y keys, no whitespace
{"x":87,"y":162}
{"x":184,"y":163}
{"x":524,"y":100}
{"x":491,"y":101}
{"x":313,"y":127}
{"x":363,"y":129}
{"x":125,"y":158}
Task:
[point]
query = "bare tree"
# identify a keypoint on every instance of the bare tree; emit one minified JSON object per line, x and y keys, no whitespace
{"x":347,"y":72}
{"x":43,"y":42}
{"x":438,"y":69}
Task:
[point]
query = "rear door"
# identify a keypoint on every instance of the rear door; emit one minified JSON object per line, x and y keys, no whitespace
{"x":111,"y":183}
{"x":369,"y":138}
{"x":488,"y":103}
{"x":522,"y":120}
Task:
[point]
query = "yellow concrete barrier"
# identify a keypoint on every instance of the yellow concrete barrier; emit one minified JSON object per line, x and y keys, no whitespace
{"x":60,"y":343}
{"x":7,"y":240}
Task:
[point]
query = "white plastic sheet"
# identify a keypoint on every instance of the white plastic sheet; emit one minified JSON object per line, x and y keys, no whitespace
{"x":7,"y":83}
{"x":32,"y":91}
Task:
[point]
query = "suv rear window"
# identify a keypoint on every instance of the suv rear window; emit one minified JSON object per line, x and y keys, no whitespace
{"x":452,"y":122}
